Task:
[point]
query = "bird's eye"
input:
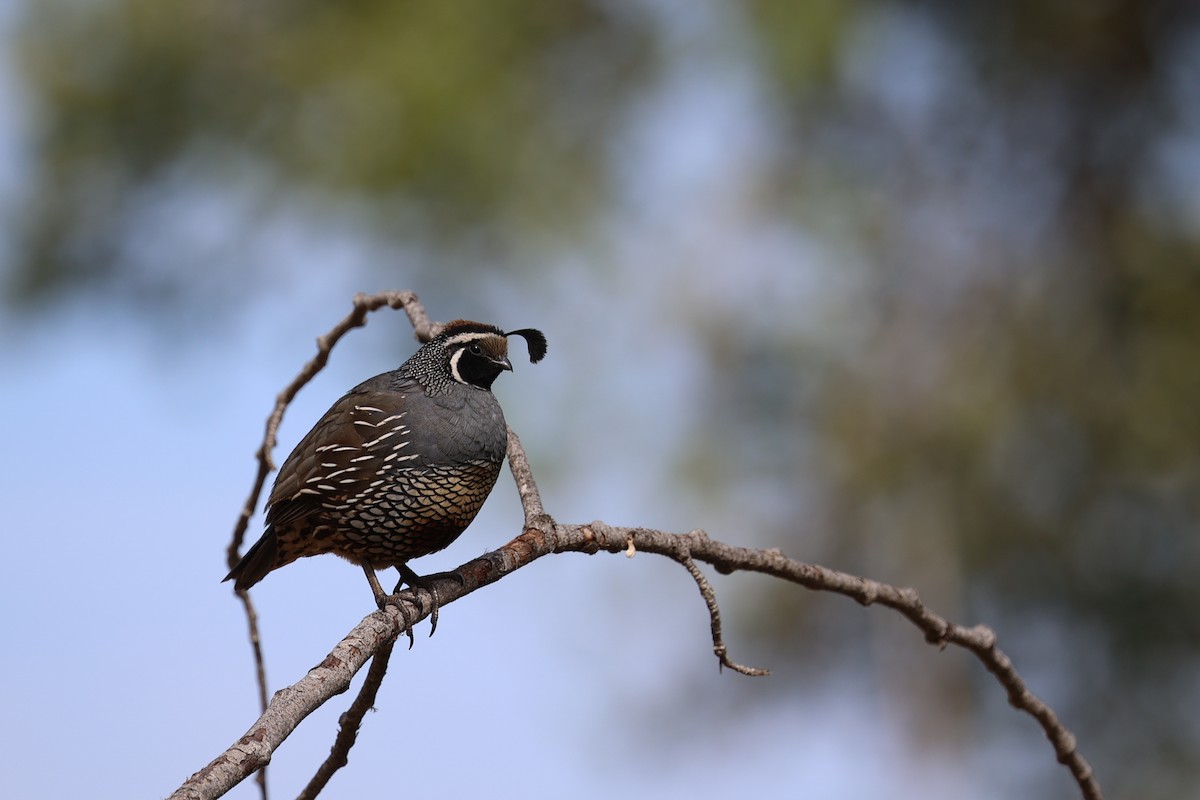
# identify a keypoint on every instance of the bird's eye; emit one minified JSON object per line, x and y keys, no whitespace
{"x":476,"y":350}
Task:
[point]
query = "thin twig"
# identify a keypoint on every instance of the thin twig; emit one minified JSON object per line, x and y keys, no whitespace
{"x":260,"y":675}
{"x":518,"y":464}
{"x":349,"y":722}
{"x":714,"y":614}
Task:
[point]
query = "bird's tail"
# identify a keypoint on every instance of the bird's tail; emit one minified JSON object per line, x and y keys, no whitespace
{"x":260,"y":559}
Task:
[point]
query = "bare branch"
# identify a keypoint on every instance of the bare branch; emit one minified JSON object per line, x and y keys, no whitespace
{"x":531,"y":498}
{"x":349,"y":723}
{"x":375,"y":635}
{"x":714,"y":614}
{"x":260,"y":670}
{"x":291,"y":705}
{"x":980,"y":640}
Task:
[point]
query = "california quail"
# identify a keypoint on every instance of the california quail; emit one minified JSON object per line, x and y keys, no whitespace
{"x":398,"y":467}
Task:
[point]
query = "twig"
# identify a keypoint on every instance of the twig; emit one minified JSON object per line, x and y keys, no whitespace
{"x":518,"y":463}
{"x":714,"y":614}
{"x":260,"y":669}
{"x":349,"y":723}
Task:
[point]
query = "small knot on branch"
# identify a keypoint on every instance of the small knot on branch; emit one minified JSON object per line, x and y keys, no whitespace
{"x":541,"y":522}
{"x":985,"y":636}
{"x":603,"y":534}
{"x":1066,"y":749}
{"x":591,"y":542}
{"x":940,"y":634}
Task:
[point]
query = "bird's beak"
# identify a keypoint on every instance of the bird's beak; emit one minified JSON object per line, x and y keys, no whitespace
{"x":503,"y":363}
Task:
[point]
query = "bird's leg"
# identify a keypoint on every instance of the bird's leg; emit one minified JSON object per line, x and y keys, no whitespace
{"x":381,"y":601}
{"x":417,"y":582}
{"x":376,"y":589}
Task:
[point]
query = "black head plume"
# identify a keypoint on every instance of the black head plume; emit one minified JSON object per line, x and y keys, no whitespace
{"x":536,"y":341}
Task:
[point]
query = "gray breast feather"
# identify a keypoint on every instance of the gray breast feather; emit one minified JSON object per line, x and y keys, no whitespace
{"x":471,"y":429}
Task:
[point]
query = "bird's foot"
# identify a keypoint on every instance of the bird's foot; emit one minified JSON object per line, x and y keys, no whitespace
{"x":415,"y":581}
{"x":382,"y":599}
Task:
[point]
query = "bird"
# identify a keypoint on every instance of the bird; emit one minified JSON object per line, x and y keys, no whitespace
{"x":399,"y":466}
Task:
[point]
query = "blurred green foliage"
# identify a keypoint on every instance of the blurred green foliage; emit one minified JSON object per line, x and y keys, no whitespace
{"x":1003,"y":411}
{"x":448,"y":117}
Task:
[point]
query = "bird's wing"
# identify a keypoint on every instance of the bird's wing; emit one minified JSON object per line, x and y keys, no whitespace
{"x":362,"y":432}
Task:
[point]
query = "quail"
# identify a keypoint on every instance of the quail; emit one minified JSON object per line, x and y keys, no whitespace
{"x":399,"y":466}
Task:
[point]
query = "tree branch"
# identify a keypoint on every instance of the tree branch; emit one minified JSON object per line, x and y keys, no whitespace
{"x":349,"y":722}
{"x":291,"y":705}
{"x":531,"y":498}
{"x":375,"y":634}
{"x":260,"y":672}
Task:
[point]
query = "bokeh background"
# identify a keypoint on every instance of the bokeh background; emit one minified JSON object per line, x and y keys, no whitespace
{"x":907,"y":289}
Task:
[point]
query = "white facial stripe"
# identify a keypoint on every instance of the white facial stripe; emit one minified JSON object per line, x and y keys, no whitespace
{"x":463,"y":338}
{"x":454,"y":365}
